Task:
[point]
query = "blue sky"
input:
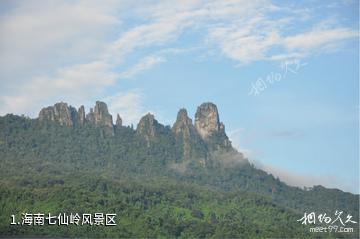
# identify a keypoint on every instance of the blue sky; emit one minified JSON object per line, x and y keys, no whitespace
{"x":284,"y":75}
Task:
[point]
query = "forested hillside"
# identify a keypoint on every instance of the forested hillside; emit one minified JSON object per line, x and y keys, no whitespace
{"x":182,"y":181}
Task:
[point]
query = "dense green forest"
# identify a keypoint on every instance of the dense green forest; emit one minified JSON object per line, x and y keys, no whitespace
{"x":160,"y":186}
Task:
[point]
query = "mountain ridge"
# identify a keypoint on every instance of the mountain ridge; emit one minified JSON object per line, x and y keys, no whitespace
{"x":42,"y":152}
{"x":207,"y":126}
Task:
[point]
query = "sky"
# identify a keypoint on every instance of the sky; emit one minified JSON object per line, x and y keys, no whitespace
{"x":284,"y":75}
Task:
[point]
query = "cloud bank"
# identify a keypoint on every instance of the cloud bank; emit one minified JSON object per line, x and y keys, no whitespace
{"x":76,"y":51}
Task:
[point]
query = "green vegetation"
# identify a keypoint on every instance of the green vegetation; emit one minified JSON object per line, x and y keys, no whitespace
{"x":46,"y":168}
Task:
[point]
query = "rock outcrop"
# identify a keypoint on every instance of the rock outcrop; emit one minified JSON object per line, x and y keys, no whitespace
{"x":183,"y":123}
{"x":81,"y":115}
{"x":60,"y":112}
{"x":148,"y":128}
{"x":69,"y":116}
{"x":208,"y":133}
{"x":100,"y":115}
{"x":208,"y":125}
{"x":118,"y":121}
{"x":147,"y":125}
{"x":207,"y":120}
{"x":185,"y":131}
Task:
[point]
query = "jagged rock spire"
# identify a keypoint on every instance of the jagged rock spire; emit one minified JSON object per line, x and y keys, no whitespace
{"x":100,"y":115}
{"x":60,"y":112}
{"x":208,"y":125}
{"x":148,"y":128}
{"x":208,"y":130}
{"x":81,"y":115}
{"x":185,"y":130}
{"x":183,"y":122}
{"x":69,"y":116}
{"x":147,"y":125}
{"x":207,"y":120}
{"x":118,"y":121}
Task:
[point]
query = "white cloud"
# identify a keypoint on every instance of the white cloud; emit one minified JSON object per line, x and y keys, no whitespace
{"x":144,"y":64}
{"x":74,"y":47}
{"x":253,"y":39}
{"x":38,"y":37}
{"x":318,"y":38}
{"x":242,"y":45}
{"x":75,"y":84}
{"x":129,"y":105}
{"x":145,"y":35}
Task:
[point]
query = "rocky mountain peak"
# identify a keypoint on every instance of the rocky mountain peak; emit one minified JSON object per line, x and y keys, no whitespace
{"x":186,"y":132}
{"x":149,"y":128}
{"x":207,"y":131}
{"x":147,"y":125}
{"x":208,"y":125}
{"x":207,"y":120}
{"x":118,"y":121}
{"x":81,"y":115}
{"x":183,"y":122}
{"x":100,"y":116}
{"x":67,"y":115}
{"x":60,"y":112}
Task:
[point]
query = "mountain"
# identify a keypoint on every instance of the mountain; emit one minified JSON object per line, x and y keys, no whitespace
{"x":69,"y":116}
{"x":184,"y":180}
